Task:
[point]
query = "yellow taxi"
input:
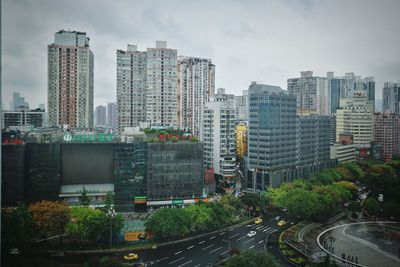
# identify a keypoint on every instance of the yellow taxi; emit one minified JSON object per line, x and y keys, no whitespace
{"x":281,"y":223}
{"x":131,"y":257}
{"x":258,"y":221}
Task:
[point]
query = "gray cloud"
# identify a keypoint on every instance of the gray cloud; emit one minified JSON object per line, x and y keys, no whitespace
{"x":266,"y":41}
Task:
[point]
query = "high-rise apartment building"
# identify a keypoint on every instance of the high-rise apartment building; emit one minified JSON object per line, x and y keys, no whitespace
{"x":70,"y":80}
{"x":219,"y":137}
{"x":147,"y":85}
{"x":241,"y":106}
{"x":391,"y":97}
{"x":112,"y":116}
{"x":100,"y":115}
{"x":387,"y":133}
{"x":311,"y":93}
{"x":355,"y":117}
{"x":196,"y":87}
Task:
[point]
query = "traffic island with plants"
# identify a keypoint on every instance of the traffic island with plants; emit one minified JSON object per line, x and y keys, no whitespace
{"x":291,"y":254}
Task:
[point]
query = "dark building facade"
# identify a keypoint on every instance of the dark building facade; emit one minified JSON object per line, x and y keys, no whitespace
{"x":135,"y":173}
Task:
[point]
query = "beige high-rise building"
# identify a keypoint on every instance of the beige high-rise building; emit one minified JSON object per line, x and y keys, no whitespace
{"x":354,"y":116}
{"x":196,"y":87}
{"x":70,"y":80}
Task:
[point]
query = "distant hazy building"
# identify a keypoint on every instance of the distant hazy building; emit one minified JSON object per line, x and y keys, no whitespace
{"x":391,"y":97}
{"x":112,"y":116}
{"x":23,"y":117}
{"x":70,"y":80}
{"x":311,"y":93}
{"x":196,"y":87}
{"x":355,"y":117}
{"x":387,"y":134}
{"x":219,"y":137}
{"x":100,"y":115}
{"x":18,"y":102}
{"x":241,"y":106}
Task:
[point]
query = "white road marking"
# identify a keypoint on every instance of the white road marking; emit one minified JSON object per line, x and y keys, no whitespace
{"x":240,"y":238}
{"x":259,"y":242}
{"x":197,"y":265}
{"x":212,"y":237}
{"x":178,"y":252}
{"x":222,"y":233}
{"x":162,"y":259}
{"x":214,"y":250}
{"x":234,"y":235}
{"x":248,"y":241}
{"x":251,"y":247}
{"x":259,"y":227}
{"x":190,"y":247}
{"x":208,"y":247}
{"x":185,"y":263}
{"x":201,"y":242}
{"x":176,"y":260}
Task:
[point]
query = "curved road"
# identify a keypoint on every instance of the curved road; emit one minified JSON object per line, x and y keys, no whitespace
{"x":206,"y":250}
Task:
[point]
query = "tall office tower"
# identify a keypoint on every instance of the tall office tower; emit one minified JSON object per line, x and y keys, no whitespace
{"x":70,"y":80}
{"x":112,"y":116}
{"x":196,"y":87}
{"x":241,"y":103}
{"x":162,"y":85}
{"x":350,"y":84}
{"x":219,"y":138}
{"x":368,"y":85}
{"x":312,"y":144}
{"x":355,"y":117}
{"x":311,"y":93}
{"x":272,"y":136}
{"x":131,"y":87}
{"x":391,"y":98}
{"x":387,"y":133}
{"x":100,"y":115}
{"x":18,"y":102}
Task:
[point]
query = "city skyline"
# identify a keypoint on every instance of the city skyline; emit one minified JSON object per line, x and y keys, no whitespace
{"x":309,"y":39}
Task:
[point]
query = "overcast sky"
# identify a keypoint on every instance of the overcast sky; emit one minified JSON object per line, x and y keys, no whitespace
{"x":249,"y":40}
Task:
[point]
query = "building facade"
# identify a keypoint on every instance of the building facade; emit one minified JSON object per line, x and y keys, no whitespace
{"x":100,"y":116}
{"x":241,"y":106}
{"x":196,"y":87}
{"x":70,"y":80}
{"x":23,"y":117}
{"x":241,"y":131}
{"x":387,"y":134}
{"x":311,"y":93}
{"x":355,"y":117}
{"x":391,"y":98}
{"x":112,"y":116}
{"x":219,"y":137}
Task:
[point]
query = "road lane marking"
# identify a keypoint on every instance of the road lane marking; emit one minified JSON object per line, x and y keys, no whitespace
{"x":259,"y":227}
{"x":197,"y":265}
{"x":248,"y":241}
{"x":240,"y":238}
{"x":178,"y":252}
{"x":172,"y":262}
{"x":208,"y":247}
{"x":260,"y":241}
{"x":201,"y":242}
{"x":183,"y":264}
{"x":251,"y":247}
{"x":212,"y":237}
{"x":214,"y":250}
{"x":190,"y":247}
{"x":266,"y":229}
{"x":222,"y":233}
{"x":234,"y":235}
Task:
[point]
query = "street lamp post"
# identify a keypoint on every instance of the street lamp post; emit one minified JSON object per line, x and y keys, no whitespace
{"x":111,"y":214}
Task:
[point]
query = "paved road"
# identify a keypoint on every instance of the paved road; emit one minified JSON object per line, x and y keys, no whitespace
{"x":207,"y":249}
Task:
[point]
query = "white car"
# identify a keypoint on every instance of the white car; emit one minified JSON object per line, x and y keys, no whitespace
{"x":277,"y":218}
{"x":251,"y":234}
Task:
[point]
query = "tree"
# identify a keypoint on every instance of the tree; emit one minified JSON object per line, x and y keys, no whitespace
{"x":84,"y":199}
{"x":109,"y":202}
{"x":168,"y":223}
{"x":371,"y":205}
{"x":251,"y":259}
{"x":391,"y":208}
{"x":88,"y":225}
{"x":303,"y":203}
{"x":51,"y":217}
{"x":17,"y":228}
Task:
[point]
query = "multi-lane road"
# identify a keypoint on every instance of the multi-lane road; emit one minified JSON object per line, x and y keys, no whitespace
{"x":210,"y":248}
